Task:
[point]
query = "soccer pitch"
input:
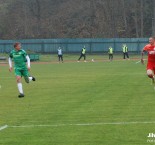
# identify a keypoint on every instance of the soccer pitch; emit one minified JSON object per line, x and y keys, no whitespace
{"x":93,"y":103}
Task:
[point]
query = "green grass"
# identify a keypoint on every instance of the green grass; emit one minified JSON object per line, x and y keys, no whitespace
{"x":89,"y":57}
{"x":78,"y":93}
{"x":74,"y":57}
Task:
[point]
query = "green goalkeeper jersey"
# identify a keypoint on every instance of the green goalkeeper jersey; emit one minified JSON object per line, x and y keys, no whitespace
{"x":19,"y":58}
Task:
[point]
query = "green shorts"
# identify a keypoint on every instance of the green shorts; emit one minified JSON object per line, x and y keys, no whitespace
{"x":21,"y":72}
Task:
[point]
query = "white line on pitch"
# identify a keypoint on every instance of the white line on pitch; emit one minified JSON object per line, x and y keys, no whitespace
{"x":82,"y":124}
{"x":3,"y":127}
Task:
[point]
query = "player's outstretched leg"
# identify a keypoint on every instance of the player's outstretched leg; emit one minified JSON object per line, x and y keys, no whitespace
{"x":79,"y":58}
{"x":61,"y":58}
{"x":20,"y":87}
{"x":150,"y":74}
{"x":29,"y":79}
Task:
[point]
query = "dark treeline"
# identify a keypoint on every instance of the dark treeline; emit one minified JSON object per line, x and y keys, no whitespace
{"x":20,"y":19}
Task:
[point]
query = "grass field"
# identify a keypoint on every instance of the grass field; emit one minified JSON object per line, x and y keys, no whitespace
{"x":100,"y":103}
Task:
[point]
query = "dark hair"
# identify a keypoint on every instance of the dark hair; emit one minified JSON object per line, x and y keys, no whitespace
{"x":16,"y":44}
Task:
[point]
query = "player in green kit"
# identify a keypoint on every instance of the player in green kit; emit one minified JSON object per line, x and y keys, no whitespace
{"x":21,"y":66}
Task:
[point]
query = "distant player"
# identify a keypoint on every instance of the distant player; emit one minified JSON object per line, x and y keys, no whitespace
{"x":150,"y":48}
{"x":60,"y":55}
{"x":83,"y":54}
{"x":110,"y":53}
{"x":125,"y":51}
{"x":20,"y":57}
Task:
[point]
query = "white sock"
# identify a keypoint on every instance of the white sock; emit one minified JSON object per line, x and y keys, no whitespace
{"x":20,"y":88}
{"x":30,"y":79}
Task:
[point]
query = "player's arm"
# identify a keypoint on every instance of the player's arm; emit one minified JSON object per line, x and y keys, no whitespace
{"x":28,"y":62}
{"x":10,"y":64}
{"x":142,"y":56}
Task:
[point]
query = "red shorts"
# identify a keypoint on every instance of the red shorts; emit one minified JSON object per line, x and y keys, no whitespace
{"x":151,"y":66}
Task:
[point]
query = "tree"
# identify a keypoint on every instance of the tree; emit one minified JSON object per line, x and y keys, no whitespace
{"x":142,"y":17}
{"x":78,"y":18}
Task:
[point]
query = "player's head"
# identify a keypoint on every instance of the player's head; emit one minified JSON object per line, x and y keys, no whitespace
{"x":17,"y":45}
{"x":152,"y":40}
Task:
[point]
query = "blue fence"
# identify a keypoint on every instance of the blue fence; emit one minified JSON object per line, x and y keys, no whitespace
{"x":75,"y":45}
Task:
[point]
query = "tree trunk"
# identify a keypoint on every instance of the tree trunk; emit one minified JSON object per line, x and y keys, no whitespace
{"x":124,"y":16}
{"x":142,"y":17}
{"x":136,"y":19}
{"x":113,"y":18}
{"x":153,"y":20}
{"x":92,"y":9}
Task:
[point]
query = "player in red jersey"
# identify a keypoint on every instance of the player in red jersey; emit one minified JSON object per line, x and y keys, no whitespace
{"x":150,"y":48}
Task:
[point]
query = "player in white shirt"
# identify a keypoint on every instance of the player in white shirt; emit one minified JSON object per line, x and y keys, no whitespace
{"x":60,"y":55}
